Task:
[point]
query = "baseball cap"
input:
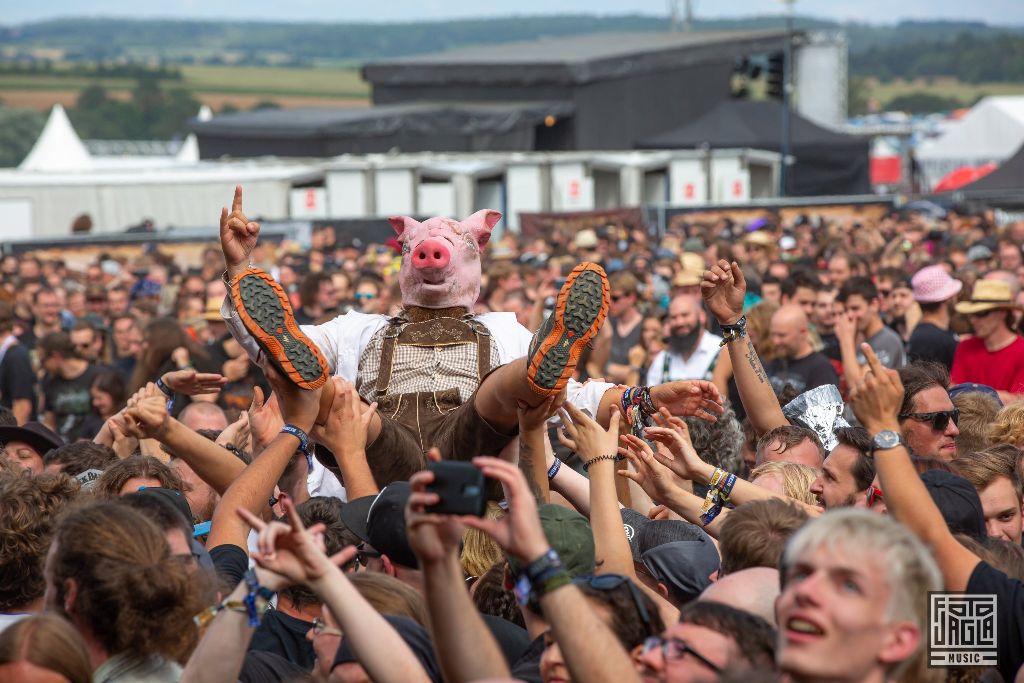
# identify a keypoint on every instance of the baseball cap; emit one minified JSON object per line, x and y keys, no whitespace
{"x":39,"y":437}
{"x":979,"y":252}
{"x":645,"y":534}
{"x":969,"y":387}
{"x":569,"y":534}
{"x":380,"y":521}
{"x":685,"y":567}
{"x":958,"y":501}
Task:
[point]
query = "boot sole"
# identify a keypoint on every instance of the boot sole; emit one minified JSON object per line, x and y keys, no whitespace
{"x":580,"y":309}
{"x":266,"y":313}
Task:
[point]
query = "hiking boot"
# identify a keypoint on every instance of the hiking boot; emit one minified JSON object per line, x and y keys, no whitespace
{"x":580,"y":309}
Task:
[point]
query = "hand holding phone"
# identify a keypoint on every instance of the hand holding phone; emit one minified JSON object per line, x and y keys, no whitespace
{"x":460,"y":486}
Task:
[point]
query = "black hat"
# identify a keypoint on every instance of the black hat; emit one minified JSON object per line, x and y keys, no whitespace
{"x":958,"y":501}
{"x":380,"y":521}
{"x":646,"y":534}
{"x":36,"y":435}
{"x":414,"y":635}
{"x":685,"y":567}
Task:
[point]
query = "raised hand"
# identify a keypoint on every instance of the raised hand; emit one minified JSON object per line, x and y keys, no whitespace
{"x":238,"y":433}
{"x":653,"y":477}
{"x":846,"y":328}
{"x":536,"y":417}
{"x":191,"y":383}
{"x":674,"y":435}
{"x":299,"y":407}
{"x":348,"y":423}
{"x":689,"y":398}
{"x":589,"y":437}
{"x":723,"y":289}
{"x":434,"y":538}
{"x":238,"y":235}
{"x":519,"y":532}
{"x":122,"y":443}
{"x":265,"y":419}
{"x":877,"y":398}
{"x":146,"y":418}
{"x":291,"y":550}
{"x":181,"y":357}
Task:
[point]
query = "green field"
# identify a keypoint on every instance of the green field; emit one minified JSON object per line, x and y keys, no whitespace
{"x":947,"y":87}
{"x":271,"y":82}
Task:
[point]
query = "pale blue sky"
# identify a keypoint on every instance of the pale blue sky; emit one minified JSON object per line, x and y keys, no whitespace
{"x":874,"y":11}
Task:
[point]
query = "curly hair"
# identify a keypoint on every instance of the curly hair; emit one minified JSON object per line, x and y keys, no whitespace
{"x":718,"y":443}
{"x":796,"y":479}
{"x":108,"y":486}
{"x":29,"y":507}
{"x":1008,"y":426}
{"x":131,"y":594}
{"x":80,"y":456}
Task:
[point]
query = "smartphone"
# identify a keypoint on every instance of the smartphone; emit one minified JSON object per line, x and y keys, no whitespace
{"x":461,"y":487}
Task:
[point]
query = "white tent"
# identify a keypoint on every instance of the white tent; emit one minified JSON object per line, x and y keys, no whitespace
{"x":989,"y":133}
{"x":58,"y":147}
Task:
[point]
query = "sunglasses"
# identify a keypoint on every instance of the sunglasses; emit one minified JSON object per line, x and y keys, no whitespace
{"x":939,"y":420}
{"x":364,"y":553}
{"x":321,"y":628}
{"x":363,"y":295}
{"x":610,"y":582}
{"x":674,"y":649}
{"x":884,"y":292}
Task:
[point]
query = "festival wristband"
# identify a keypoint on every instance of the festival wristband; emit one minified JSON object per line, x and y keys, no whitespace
{"x":553,"y":470}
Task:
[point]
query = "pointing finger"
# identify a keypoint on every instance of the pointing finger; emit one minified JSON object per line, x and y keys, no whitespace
{"x":236,"y":204}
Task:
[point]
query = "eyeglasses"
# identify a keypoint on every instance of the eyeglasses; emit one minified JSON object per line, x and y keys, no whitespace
{"x":674,"y":649}
{"x":321,"y":628}
{"x":609,"y":582}
{"x":874,"y":496}
{"x":365,"y":553}
{"x":939,"y":419}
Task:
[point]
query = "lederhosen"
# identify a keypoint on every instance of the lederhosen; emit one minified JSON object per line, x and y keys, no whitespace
{"x":412,"y":423}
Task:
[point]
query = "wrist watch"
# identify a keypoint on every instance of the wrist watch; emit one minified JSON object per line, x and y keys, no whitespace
{"x":884,"y":439}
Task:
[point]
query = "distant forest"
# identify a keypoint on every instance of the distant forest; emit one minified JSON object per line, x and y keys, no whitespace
{"x":972,"y":52}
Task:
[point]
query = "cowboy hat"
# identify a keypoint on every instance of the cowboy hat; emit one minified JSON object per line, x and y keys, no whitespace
{"x":988,"y":295}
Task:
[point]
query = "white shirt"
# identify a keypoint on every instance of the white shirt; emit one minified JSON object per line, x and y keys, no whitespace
{"x":343,"y":340}
{"x":697,"y":366}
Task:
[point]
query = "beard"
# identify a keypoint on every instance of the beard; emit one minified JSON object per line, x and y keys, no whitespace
{"x":684,"y":343}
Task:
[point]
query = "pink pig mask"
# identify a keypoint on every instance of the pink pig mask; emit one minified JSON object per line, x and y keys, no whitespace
{"x":441,"y":259}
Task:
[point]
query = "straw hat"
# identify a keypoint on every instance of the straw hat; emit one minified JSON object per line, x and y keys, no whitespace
{"x":693,"y":263}
{"x":687,"y":278}
{"x":212,"y":312}
{"x":760,"y":238}
{"x":988,"y":295}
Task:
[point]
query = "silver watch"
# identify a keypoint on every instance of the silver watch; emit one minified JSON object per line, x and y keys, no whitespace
{"x":885,"y":439}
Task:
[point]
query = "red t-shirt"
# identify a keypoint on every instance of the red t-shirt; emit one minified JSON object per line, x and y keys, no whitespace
{"x":1002,"y":370}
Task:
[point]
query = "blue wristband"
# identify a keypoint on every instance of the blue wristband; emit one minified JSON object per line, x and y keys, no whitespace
{"x":553,"y":470}
{"x":166,"y":390}
{"x":304,"y":443}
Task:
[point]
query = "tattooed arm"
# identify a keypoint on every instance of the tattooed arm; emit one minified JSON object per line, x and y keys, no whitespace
{"x":533,"y":435}
{"x":723,"y":290}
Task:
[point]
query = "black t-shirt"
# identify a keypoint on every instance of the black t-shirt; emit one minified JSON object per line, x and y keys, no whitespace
{"x":528,"y":667}
{"x":17,"y":381}
{"x":1009,"y":615}
{"x":70,"y":401}
{"x":813,"y":370}
{"x":230,"y":561}
{"x":932,"y":343}
{"x":830,"y":346}
{"x":512,"y":639}
{"x":285,"y":636}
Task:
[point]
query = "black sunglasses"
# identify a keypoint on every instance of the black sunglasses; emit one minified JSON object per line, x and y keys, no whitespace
{"x":365,"y":553}
{"x":674,"y":649}
{"x":939,"y":419}
{"x":609,"y":582}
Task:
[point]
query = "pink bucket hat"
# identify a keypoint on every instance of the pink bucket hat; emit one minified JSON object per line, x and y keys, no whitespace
{"x":933,"y":284}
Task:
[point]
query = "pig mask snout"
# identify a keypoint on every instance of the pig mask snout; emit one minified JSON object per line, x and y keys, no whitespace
{"x":432,"y":253}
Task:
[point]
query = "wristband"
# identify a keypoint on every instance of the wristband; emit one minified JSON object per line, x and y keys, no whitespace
{"x":553,"y":470}
{"x":255,"y":590}
{"x":737,"y":330}
{"x":304,"y":443}
{"x":164,"y":389}
{"x":587,"y":464}
{"x":539,"y":566}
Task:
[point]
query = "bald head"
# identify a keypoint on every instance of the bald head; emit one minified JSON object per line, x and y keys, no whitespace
{"x":789,"y":332}
{"x":203,"y":415}
{"x":685,"y":314}
{"x":752,"y":590}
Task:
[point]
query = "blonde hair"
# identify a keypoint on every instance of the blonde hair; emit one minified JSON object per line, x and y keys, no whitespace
{"x":909,"y":568}
{"x":1008,"y":426}
{"x":796,"y":479}
{"x":479,"y":551}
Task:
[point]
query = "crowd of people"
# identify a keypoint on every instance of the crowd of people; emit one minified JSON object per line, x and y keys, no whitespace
{"x":160,"y":522}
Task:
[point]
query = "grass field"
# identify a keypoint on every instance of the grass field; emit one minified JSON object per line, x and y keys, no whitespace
{"x":213,"y":85}
{"x":947,"y":87}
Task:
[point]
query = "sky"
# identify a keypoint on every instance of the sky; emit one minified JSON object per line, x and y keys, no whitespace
{"x":872,"y":11}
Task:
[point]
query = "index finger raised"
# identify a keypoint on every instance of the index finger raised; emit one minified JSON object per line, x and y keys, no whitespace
{"x":236,"y":203}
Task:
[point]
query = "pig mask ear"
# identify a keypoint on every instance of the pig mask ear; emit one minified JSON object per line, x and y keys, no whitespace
{"x":480,"y":225}
{"x":400,"y":223}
